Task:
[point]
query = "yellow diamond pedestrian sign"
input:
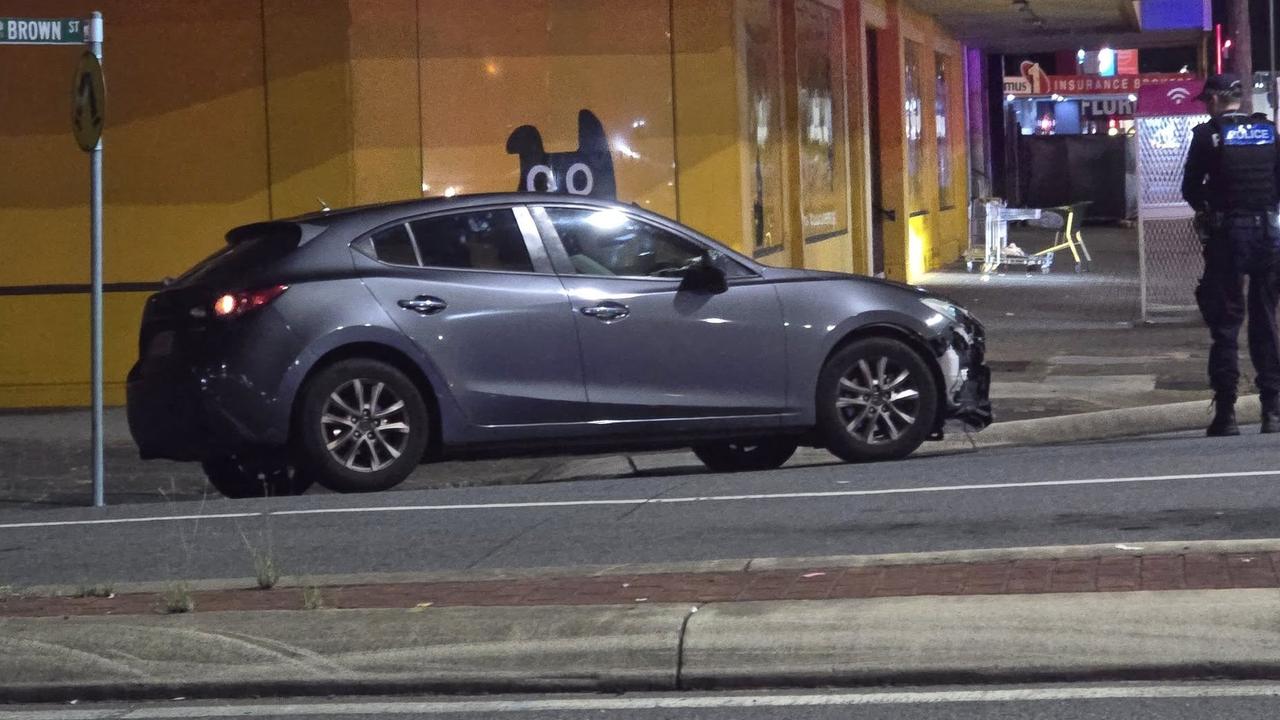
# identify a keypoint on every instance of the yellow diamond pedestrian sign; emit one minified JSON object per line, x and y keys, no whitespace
{"x":88,"y":102}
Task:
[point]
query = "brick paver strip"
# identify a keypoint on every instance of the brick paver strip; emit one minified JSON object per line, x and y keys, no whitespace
{"x":1108,"y":574}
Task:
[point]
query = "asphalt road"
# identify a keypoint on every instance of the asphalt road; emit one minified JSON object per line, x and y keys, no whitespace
{"x":1091,"y":702}
{"x":1169,"y":488}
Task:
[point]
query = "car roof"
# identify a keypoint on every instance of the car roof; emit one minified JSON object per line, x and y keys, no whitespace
{"x":408,"y":207}
{"x":359,"y":219}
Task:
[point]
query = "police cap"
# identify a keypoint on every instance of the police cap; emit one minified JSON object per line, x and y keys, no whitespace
{"x":1227,"y":84}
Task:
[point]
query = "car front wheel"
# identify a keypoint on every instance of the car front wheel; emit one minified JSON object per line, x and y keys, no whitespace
{"x":362,"y":426}
{"x":745,"y":456}
{"x":877,"y":400}
{"x":257,"y":473}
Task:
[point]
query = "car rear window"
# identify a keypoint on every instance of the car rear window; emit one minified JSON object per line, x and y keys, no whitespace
{"x":393,"y":246}
{"x":248,"y":248}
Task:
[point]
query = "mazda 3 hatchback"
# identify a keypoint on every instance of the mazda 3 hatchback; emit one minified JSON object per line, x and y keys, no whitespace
{"x":348,"y":347}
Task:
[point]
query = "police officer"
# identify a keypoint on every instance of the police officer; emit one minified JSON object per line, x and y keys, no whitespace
{"x":1232,"y":180}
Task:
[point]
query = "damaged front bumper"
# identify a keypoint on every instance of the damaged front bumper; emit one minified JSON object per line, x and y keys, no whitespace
{"x":962,"y":356}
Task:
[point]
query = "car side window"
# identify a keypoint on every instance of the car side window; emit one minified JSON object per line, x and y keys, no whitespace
{"x":393,"y":246}
{"x":476,"y":240}
{"x":611,"y":242}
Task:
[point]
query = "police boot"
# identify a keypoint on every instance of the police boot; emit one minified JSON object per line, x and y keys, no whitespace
{"x":1271,"y":413}
{"x":1224,"y":417}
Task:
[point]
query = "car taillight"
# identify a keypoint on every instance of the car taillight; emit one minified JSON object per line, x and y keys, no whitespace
{"x":233,"y":305}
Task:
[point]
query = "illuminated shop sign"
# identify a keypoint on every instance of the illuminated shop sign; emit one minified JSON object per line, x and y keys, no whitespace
{"x":1086,"y":84}
{"x":1106,"y":108}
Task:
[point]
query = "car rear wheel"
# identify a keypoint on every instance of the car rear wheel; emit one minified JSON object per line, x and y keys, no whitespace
{"x":362,"y":427}
{"x":258,"y":473}
{"x":877,"y":400}
{"x":746,"y":455}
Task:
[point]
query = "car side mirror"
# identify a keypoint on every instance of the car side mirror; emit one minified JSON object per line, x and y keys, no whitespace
{"x":704,"y":276}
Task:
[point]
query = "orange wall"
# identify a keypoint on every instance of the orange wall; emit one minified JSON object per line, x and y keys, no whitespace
{"x":183,"y":160}
{"x":222,"y":112}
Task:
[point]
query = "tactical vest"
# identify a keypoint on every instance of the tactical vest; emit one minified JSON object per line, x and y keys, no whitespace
{"x":1245,"y":174}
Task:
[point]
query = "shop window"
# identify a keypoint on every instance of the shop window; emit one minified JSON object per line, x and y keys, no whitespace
{"x":914,"y":123}
{"x":762,"y":110}
{"x":824,"y":193}
{"x":942,"y":94}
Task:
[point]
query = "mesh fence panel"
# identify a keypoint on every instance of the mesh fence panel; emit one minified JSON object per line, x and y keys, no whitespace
{"x":1170,"y":249}
{"x":1162,"y":150}
{"x":1172,"y":252}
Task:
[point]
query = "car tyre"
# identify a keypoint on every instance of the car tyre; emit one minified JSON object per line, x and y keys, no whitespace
{"x":877,"y":399}
{"x":747,"y":455}
{"x":256,"y":473}
{"x":362,"y":426}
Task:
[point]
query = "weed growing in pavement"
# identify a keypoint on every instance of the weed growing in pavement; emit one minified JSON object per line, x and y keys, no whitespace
{"x":177,"y":599}
{"x":312,"y":598}
{"x":95,"y":591}
{"x":186,"y":542}
{"x":264,"y":569}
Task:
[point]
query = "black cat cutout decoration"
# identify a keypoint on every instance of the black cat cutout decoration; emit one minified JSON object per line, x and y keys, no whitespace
{"x":585,"y":171}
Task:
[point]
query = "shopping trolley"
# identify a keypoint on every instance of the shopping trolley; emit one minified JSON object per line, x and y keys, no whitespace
{"x":991,"y":218}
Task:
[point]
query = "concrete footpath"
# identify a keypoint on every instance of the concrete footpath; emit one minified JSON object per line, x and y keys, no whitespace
{"x":1158,"y":611}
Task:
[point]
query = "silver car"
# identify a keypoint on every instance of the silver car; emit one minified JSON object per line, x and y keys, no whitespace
{"x":348,"y":347}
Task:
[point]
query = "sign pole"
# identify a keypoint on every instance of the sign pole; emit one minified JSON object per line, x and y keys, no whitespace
{"x":87,"y":117}
{"x":93,"y":37}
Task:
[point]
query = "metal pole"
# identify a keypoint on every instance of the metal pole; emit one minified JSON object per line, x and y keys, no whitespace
{"x":1271,"y":47}
{"x":94,"y":39}
{"x":1242,"y":51}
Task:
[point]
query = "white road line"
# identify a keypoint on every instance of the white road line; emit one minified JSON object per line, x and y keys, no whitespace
{"x":121,"y":521}
{"x":545,"y":504}
{"x":676,"y":702}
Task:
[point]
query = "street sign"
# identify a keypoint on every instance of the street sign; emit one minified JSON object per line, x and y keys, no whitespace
{"x":88,"y":112}
{"x":41,"y":31}
{"x":88,"y":102}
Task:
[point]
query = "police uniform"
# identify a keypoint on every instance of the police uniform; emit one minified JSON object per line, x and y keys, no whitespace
{"x":1232,"y":177}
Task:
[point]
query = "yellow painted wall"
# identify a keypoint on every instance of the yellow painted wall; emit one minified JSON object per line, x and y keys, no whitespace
{"x":223,"y":112}
{"x":925,"y":236}
{"x":709,"y":138}
{"x":496,"y":65}
{"x":182,"y":163}
{"x":308,"y":108}
{"x":386,"y":124}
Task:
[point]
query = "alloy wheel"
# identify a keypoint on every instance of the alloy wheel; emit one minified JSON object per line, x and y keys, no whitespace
{"x":365,"y":425}
{"x":878,"y":400}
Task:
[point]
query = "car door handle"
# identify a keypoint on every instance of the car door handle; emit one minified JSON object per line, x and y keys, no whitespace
{"x":424,"y":305}
{"x":606,"y":311}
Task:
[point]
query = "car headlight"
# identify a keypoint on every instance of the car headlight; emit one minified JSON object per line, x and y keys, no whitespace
{"x":943,"y":308}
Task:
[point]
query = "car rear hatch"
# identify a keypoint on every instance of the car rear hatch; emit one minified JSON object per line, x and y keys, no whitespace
{"x":178,"y":318}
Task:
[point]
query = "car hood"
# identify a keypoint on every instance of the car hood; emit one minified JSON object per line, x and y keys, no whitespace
{"x":793,"y":274}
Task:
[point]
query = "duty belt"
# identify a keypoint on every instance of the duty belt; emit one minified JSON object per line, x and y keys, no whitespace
{"x":1246,"y":218}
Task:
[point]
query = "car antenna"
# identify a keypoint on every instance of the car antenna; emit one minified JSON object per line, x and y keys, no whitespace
{"x":324,"y":206}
